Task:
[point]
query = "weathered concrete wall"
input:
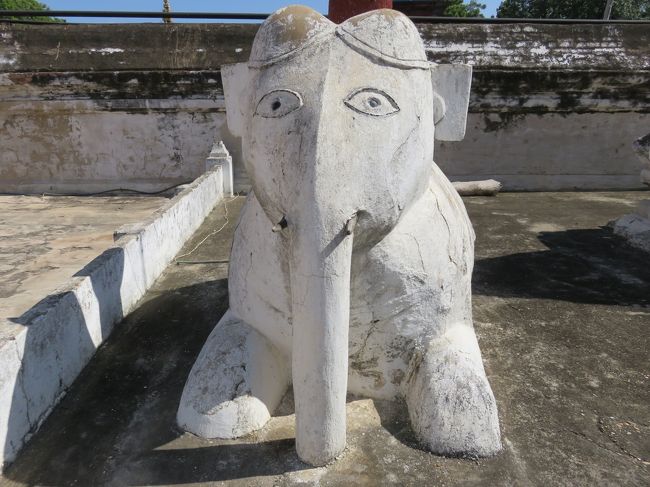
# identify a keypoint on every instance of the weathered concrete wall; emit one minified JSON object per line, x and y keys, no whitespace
{"x":553,"y":106}
{"x":95,"y":107}
{"x":547,"y":151}
{"x":87,"y":108}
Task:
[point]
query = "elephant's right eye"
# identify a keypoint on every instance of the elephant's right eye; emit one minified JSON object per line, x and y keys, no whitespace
{"x":278,"y":103}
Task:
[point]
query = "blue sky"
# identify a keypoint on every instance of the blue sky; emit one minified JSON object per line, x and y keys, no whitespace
{"x":256,"y":6}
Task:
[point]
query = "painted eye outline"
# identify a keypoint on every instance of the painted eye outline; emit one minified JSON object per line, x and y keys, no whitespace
{"x":278,"y":103}
{"x":372,"y":102}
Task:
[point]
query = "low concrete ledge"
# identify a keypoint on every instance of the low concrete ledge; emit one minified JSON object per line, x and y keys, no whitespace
{"x":556,"y":182}
{"x":43,"y":351}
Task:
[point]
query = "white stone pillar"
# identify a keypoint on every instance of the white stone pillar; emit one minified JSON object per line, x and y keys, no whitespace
{"x":219,"y":156}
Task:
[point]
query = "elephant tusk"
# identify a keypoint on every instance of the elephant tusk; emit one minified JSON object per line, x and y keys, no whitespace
{"x":281,"y":225}
{"x":351,"y":223}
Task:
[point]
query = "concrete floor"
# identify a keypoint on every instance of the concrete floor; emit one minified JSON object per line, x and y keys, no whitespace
{"x":44,"y":240}
{"x":562,"y":310}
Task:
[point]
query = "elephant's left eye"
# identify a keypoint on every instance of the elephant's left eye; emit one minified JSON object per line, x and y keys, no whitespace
{"x":278,"y":103}
{"x":371,"y":102}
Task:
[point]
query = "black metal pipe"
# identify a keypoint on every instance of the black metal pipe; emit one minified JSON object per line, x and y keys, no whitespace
{"x":259,"y":16}
{"x":479,"y":20}
{"x":132,"y":15}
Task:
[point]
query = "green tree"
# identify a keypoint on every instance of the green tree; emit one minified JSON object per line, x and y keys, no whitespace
{"x":573,"y":9}
{"x":458,"y":8}
{"x":27,"y":5}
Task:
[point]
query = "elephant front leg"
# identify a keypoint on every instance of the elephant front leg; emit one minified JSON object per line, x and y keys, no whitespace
{"x":235,"y":384}
{"x":450,"y":402}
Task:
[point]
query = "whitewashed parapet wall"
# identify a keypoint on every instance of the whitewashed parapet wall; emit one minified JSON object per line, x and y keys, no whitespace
{"x":95,"y":107}
{"x":43,"y":350}
{"x":87,"y":108}
{"x":549,"y":102}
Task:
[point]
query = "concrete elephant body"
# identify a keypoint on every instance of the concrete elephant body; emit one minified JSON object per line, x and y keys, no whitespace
{"x":407,"y":290}
{"x":351,"y":265}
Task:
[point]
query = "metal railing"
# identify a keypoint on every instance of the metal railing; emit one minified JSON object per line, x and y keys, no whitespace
{"x":261,"y":16}
{"x":132,"y":15}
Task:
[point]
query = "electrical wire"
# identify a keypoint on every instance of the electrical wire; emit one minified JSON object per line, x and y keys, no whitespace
{"x":99,"y":193}
{"x":211,"y":234}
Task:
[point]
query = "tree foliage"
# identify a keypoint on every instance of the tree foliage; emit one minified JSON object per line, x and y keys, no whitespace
{"x":573,"y":9}
{"x":27,"y":5}
{"x":458,"y":8}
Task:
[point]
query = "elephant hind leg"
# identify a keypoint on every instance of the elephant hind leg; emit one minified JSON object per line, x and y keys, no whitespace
{"x":235,"y":384}
{"x":450,"y":402}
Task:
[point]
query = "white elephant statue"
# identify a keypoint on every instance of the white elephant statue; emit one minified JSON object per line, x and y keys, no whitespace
{"x":351,"y":264}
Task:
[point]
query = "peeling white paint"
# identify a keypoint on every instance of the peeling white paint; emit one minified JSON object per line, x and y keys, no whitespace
{"x":107,"y":50}
{"x":10,"y":61}
{"x":539,"y":50}
{"x":532,"y":46}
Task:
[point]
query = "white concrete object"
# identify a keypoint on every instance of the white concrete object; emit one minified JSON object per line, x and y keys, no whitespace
{"x":41,"y":356}
{"x":352,"y":261}
{"x":488,"y":187}
{"x":219,"y":156}
{"x":635,"y":227}
{"x":642,"y":148}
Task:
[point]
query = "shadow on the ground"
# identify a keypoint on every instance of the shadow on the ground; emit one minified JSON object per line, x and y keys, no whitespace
{"x":213,"y":463}
{"x":43,"y":375}
{"x":591,"y":266}
{"x":117,"y":424}
{"x":124,"y":402}
{"x":395,"y":419}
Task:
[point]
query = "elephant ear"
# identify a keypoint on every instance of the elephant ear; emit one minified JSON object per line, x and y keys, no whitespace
{"x":451,"y":87}
{"x":237,"y":83}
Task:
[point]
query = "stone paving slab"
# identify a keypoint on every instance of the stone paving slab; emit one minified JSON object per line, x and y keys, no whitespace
{"x":44,"y":240}
{"x":562,"y":310}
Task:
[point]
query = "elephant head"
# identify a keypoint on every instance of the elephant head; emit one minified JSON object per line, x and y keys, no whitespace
{"x":337,"y":124}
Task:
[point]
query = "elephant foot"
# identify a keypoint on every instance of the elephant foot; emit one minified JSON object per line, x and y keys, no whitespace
{"x":235,"y":384}
{"x":450,"y":402}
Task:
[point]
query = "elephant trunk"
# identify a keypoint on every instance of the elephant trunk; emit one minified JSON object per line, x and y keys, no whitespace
{"x":320,"y":262}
